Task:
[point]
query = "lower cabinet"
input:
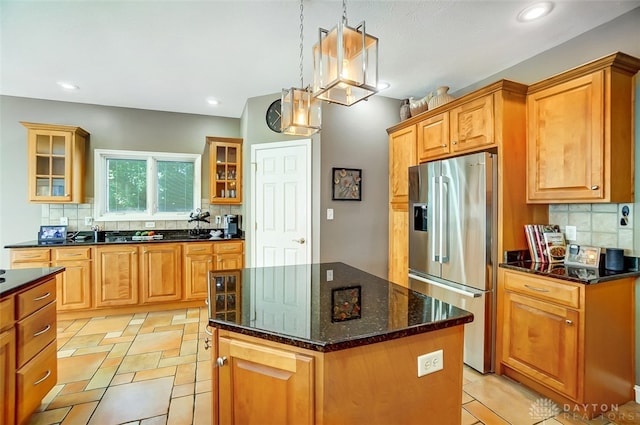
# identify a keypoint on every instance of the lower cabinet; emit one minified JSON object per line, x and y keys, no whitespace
{"x":198,"y":262}
{"x":116,"y":277}
{"x":563,"y":338}
{"x":228,"y":255}
{"x":74,"y":285}
{"x":7,"y":361}
{"x":161,"y":272}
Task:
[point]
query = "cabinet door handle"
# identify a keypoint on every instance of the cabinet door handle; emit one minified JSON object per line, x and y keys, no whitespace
{"x":444,"y":145}
{"x":569,"y":322}
{"x":46,"y":328}
{"x":40,"y":298}
{"x":44,"y":378}
{"x":533,"y":288}
{"x":221,"y":361}
{"x":455,"y":142}
{"x":595,"y":187}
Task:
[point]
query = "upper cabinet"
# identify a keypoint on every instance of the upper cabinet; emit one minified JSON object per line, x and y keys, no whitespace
{"x":580,"y":134}
{"x":225,"y":170}
{"x":55,"y":163}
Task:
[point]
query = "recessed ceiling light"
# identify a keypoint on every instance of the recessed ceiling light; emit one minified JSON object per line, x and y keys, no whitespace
{"x":382,"y":85}
{"x":212,"y":101}
{"x":67,"y":86}
{"x":535,"y":11}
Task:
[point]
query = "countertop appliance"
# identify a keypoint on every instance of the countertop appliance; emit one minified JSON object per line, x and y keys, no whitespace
{"x":453,"y":208}
{"x":232,"y":224}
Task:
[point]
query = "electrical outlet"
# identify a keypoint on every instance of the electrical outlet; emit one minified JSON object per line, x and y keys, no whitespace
{"x":329,"y":275}
{"x":429,"y":363}
{"x":149,"y":224}
{"x":329,"y":213}
{"x":571,"y":233}
{"x":64,"y":221}
{"x":218,"y":219}
{"x":88,"y":221}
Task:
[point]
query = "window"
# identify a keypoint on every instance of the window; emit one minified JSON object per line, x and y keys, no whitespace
{"x":132,"y":185}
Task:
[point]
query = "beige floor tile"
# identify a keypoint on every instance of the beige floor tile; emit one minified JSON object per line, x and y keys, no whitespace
{"x":188,"y":347}
{"x":190,"y":336}
{"x":169,"y":328}
{"x":484,"y":414}
{"x":185,"y":374}
{"x":123,"y":378}
{"x":131,"y":330}
{"x":65,"y":353}
{"x":171,"y":353}
{"x":203,"y":371}
{"x":570,"y":418}
{"x":119,"y":350}
{"x":76,"y":325}
{"x":52,"y":394}
{"x":177,"y":360}
{"x":49,"y":417}
{"x":158,"y":420}
{"x":97,"y":349}
{"x":79,"y":368}
{"x":116,"y":340}
{"x":626,"y":414}
{"x":203,"y":386}
{"x":68,"y":400}
{"x":138,"y":362}
{"x":157,"y":341}
{"x":155,"y":373}
{"x":105,"y":325}
{"x":202,"y":409}
{"x":181,"y":411}
{"x":81,"y":342}
{"x":493,"y":390}
{"x":466,"y":398}
{"x":183,"y":390}
{"x":80,"y":414}
{"x":102,"y":378}
{"x":73,"y":387}
{"x":111,"y":361}
{"x":128,"y":402}
{"x":468,"y":418}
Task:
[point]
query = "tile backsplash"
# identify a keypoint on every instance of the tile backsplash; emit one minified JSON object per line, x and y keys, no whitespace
{"x":76,"y":214}
{"x":602,"y":225}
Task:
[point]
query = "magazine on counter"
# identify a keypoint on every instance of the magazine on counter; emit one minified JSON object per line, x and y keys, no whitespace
{"x":555,"y":246}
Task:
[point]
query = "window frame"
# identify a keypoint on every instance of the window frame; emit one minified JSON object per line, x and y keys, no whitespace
{"x":151,"y":212}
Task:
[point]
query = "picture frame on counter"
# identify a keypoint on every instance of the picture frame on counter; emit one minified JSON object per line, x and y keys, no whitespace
{"x":583,"y":256}
{"x":347,"y":184}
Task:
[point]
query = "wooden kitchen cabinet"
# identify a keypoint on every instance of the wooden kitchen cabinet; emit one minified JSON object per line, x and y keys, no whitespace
{"x":55,"y":163}
{"x":556,"y":337}
{"x":225,"y":170}
{"x":30,"y":257}
{"x":580,"y":140}
{"x":198,"y":262}
{"x":7,"y":361}
{"x":74,"y":285}
{"x":116,"y":276}
{"x":225,"y":295}
{"x":228,"y":255}
{"x":161,"y":272}
{"x":466,"y":127}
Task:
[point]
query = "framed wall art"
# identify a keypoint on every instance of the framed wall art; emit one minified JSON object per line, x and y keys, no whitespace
{"x":345,"y":304}
{"x":347,"y":184}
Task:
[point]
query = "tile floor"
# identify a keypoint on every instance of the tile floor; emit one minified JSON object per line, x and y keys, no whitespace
{"x":152,"y":369}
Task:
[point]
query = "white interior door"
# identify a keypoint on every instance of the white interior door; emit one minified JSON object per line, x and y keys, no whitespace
{"x":282,"y":203}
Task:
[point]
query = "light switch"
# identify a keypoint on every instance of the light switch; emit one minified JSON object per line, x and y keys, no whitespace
{"x":329,"y":213}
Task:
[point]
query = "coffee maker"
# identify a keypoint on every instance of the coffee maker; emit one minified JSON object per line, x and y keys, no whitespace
{"x":232,"y":223}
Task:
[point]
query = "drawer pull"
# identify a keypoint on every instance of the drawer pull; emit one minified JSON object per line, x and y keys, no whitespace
{"x":569,"y":322}
{"x":72,"y":255}
{"x":31,"y":256}
{"x":595,"y":187}
{"x":197,"y":249}
{"x":46,"y":329}
{"x":40,"y":298}
{"x":533,"y":288}
{"x":44,"y":378}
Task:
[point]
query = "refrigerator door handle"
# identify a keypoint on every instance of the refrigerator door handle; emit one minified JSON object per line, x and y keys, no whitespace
{"x":435,"y":254}
{"x":447,"y":287}
{"x":444,"y":219}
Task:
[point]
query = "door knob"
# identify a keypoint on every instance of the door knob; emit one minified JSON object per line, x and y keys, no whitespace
{"x":221,"y":361}
{"x":300,"y":241}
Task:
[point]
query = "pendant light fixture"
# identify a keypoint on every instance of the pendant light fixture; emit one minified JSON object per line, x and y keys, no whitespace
{"x":301,"y":112}
{"x":345,"y":63}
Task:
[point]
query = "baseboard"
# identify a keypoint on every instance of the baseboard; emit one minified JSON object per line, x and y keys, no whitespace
{"x":637,"y":390}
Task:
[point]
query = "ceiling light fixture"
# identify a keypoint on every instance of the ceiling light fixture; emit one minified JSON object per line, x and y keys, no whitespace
{"x":301,"y":112}
{"x":535,"y":11}
{"x":67,"y":86}
{"x":212,"y":101}
{"x":345,"y":63}
{"x":383,"y":85}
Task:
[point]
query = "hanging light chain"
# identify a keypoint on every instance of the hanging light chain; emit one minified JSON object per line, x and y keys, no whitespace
{"x":301,"y":43}
{"x":344,"y":12}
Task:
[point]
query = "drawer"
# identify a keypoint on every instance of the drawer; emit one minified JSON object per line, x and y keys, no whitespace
{"x":544,"y":289}
{"x":34,"y":380}
{"x":30,"y":255}
{"x":228,"y":247}
{"x":199,"y":248}
{"x":35,"y":298}
{"x":7,"y":312}
{"x":36,"y":332}
{"x":72,"y":254}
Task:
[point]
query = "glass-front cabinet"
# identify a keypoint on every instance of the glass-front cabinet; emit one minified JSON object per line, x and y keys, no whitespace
{"x":56,"y":163}
{"x":224,"y":295}
{"x":225,"y":170}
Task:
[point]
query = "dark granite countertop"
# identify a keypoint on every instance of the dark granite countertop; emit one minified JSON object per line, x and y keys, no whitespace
{"x":15,"y":279}
{"x":312,"y":306}
{"x":126,"y":237}
{"x":518,"y":260}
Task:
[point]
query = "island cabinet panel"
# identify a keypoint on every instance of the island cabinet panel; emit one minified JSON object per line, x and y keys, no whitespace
{"x":7,"y":361}
{"x":264,"y":382}
{"x":562,"y":338}
{"x":34,"y":381}
{"x":580,"y":134}
{"x":116,"y":277}
{"x":74,"y":285}
{"x":161,"y":272}
{"x":399,"y":244}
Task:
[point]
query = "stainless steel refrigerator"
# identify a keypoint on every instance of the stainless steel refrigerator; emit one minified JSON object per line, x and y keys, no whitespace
{"x":452,"y":254}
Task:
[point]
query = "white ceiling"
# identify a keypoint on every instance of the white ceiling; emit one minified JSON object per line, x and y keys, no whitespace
{"x":173,"y":55}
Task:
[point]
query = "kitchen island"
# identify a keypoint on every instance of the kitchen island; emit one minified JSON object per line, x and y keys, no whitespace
{"x":328,"y":343}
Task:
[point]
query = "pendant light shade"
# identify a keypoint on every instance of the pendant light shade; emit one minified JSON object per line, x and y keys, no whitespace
{"x":345,"y":64}
{"x":301,"y":113}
